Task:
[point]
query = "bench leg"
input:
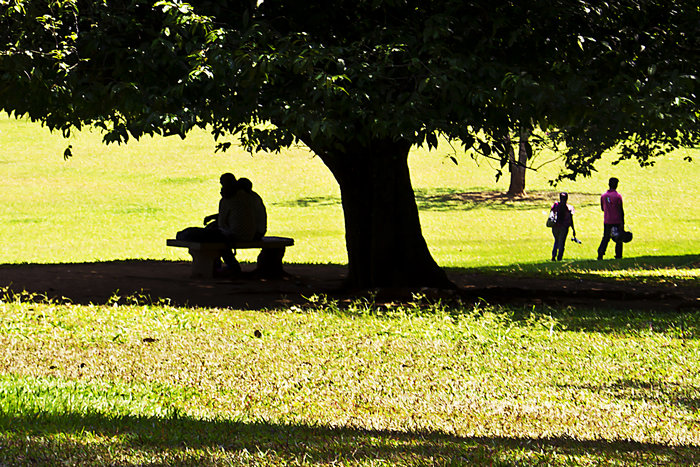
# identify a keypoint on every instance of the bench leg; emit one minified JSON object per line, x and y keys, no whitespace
{"x":270,"y":263}
{"x":204,"y":262}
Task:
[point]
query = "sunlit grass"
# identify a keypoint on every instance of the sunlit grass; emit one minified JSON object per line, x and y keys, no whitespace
{"x":641,"y":274}
{"x":415,"y":384}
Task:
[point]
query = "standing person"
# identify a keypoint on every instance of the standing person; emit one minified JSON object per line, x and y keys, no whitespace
{"x":613,"y":216}
{"x":565,"y":219}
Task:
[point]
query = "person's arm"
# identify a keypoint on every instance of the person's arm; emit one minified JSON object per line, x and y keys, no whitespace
{"x":210,"y":218}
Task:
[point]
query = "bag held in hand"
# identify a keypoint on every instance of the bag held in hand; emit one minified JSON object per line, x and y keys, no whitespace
{"x":620,"y":236}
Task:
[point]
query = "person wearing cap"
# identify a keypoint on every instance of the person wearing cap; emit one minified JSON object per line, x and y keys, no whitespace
{"x":613,"y":217}
{"x":565,"y":218}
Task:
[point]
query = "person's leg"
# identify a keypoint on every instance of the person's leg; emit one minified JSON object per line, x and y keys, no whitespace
{"x":604,"y":242}
{"x":562,"y":242}
{"x":618,"y":246}
{"x":229,"y":257}
{"x":555,"y":246}
{"x":231,"y":261}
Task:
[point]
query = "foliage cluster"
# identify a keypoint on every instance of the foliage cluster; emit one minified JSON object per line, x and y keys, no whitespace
{"x":592,"y":74}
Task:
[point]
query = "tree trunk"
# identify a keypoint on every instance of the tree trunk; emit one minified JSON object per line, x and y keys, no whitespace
{"x":383,"y":235}
{"x":518,"y":167}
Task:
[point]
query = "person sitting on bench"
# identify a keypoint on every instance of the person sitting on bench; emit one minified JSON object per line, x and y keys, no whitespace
{"x":234,"y":222}
{"x":260,"y":211}
{"x":228,"y":187}
{"x":236,"y":218}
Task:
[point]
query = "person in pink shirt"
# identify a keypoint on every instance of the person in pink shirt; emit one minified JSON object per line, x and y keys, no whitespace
{"x":613,"y":216}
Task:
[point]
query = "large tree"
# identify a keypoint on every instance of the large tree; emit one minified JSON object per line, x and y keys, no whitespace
{"x":361,"y":82}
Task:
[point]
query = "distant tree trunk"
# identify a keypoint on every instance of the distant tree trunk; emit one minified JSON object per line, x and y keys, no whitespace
{"x":384,"y":240}
{"x":518,"y":167}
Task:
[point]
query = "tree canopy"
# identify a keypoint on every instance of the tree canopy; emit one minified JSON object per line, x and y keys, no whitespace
{"x":362,"y":81}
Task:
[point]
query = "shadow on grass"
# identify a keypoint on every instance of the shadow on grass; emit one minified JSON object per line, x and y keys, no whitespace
{"x":556,"y":285}
{"x":39,"y":438}
{"x":588,"y":267}
{"x":450,"y":199}
{"x":681,"y":325}
{"x":310,"y":201}
{"x":447,"y":199}
{"x":664,"y":392}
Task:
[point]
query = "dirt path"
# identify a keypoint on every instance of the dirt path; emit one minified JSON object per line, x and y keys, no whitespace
{"x":99,"y":282}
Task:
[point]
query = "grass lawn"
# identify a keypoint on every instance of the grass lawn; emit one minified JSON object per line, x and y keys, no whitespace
{"x":410,"y":384}
{"x":406,"y":385}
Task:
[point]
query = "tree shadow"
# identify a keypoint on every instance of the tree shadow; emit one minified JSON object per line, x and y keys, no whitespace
{"x":577,"y":267}
{"x":580,"y":299}
{"x":165,"y":282}
{"x":544,"y":284}
{"x":450,"y":199}
{"x":293,"y":443}
{"x":645,"y":391}
{"x":310,"y":201}
{"x":683,"y":325}
{"x":21,"y":221}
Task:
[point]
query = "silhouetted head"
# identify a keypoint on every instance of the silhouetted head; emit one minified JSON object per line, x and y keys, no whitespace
{"x":612,"y":183}
{"x":228,"y":185}
{"x":563,"y":208}
{"x":245,"y":184}
{"x":227,"y":178}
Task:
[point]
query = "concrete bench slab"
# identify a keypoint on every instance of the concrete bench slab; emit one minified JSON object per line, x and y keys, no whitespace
{"x":205,"y":255}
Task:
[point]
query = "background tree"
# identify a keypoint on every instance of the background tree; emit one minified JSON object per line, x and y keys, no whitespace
{"x":360,"y":83}
{"x":514,"y":151}
{"x":517,"y":166}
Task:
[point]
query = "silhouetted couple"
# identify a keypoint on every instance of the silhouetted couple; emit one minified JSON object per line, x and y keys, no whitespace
{"x":242,"y":217}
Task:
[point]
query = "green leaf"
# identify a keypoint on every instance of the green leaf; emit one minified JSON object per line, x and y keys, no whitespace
{"x":432,"y":140}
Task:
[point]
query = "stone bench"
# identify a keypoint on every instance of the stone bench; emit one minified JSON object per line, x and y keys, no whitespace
{"x":205,"y":255}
